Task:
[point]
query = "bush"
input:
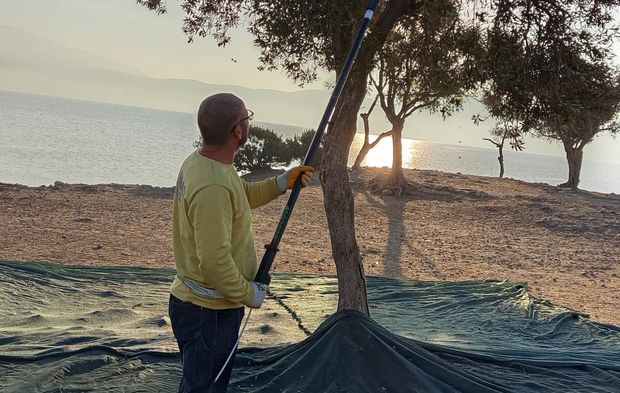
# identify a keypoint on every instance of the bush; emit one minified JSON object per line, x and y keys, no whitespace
{"x":263,"y":150}
{"x":298,"y":147}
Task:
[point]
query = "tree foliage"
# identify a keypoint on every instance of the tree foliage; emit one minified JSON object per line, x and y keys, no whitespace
{"x":581,"y":98}
{"x":264,"y":149}
{"x":299,"y":144}
{"x":550,"y":73}
{"x":504,"y":130}
{"x":294,"y":36}
{"x":427,"y":63}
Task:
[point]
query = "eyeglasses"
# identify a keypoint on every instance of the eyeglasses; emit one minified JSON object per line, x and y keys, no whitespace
{"x":248,"y":118}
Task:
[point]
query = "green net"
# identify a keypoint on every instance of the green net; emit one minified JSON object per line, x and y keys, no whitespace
{"x":105,"y":329}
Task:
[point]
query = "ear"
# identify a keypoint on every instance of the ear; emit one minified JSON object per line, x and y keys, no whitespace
{"x":238,"y":133}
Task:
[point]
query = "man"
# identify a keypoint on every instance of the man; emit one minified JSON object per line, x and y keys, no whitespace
{"x":214,"y":246}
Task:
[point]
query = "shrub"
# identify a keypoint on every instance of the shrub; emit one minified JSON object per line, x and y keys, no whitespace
{"x":298,"y":147}
{"x":263,"y":150}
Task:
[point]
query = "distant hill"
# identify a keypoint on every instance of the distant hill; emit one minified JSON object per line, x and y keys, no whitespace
{"x":32,"y":64}
{"x":24,"y":50}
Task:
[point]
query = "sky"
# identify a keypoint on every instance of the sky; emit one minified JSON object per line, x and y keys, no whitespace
{"x":154,"y":44}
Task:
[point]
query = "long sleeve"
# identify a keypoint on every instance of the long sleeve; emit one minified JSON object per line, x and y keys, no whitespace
{"x":211,"y":214}
{"x":261,"y":192}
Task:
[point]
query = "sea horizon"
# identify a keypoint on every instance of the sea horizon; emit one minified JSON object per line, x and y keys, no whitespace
{"x":99,"y":143}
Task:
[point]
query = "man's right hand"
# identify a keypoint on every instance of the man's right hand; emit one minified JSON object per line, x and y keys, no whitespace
{"x":259,"y":291}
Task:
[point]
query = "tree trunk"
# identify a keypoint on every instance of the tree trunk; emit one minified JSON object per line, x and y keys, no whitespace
{"x":501,"y":160}
{"x":338,"y":199}
{"x":397,"y":178}
{"x":500,"y":150}
{"x":574,"y":156}
{"x":361,"y":155}
{"x":338,"y":196}
{"x":366,"y":147}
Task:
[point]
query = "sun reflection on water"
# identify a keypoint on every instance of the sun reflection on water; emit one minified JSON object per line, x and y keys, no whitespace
{"x":414,"y":152}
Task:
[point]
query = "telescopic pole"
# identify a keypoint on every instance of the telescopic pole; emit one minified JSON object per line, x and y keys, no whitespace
{"x":262,"y":275}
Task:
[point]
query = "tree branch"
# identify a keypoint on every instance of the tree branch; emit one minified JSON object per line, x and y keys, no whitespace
{"x":492,"y":141}
{"x":381,"y":136}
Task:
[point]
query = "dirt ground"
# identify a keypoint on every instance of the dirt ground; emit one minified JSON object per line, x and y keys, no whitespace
{"x":565,"y":245}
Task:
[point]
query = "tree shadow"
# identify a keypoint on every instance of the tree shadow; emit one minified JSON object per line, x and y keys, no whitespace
{"x":426,"y":262}
{"x":392,"y":266}
{"x":393,"y":207}
{"x":394,"y":210}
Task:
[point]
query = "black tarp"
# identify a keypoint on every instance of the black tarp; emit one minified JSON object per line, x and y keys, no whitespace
{"x":104,"y":329}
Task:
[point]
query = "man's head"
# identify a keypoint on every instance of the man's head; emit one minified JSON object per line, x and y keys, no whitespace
{"x":223,"y":119}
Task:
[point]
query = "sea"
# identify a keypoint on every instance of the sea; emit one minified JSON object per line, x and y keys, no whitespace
{"x":47,"y":139}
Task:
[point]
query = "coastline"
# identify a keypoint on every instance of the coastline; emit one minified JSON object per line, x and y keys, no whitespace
{"x":566,"y":245}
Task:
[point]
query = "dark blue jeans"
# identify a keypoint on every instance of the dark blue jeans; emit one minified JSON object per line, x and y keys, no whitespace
{"x":205,"y":339}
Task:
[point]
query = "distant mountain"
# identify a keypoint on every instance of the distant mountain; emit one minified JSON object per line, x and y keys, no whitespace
{"x":24,"y":50}
{"x":31,"y":64}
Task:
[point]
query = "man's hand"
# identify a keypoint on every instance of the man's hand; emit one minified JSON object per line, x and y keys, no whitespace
{"x":287,"y":179}
{"x":259,"y":292}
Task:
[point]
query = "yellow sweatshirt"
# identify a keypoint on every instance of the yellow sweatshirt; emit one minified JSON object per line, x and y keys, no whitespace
{"x":212,"y":231}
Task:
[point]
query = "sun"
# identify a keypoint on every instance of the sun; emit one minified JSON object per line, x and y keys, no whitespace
{"x":381,"y":155}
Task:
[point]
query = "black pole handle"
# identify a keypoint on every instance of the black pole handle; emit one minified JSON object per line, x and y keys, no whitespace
{"x":372,"y":5}
{"x":262,"y":275}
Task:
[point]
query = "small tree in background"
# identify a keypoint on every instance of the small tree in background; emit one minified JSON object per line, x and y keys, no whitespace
{"x":298,"y":147}
{"x":263,"y":150}
{"x":367,"y":145}
{"x":506,"y":130}
{"x":428,"y":63}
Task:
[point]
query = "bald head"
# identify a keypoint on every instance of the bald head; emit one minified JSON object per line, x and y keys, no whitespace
{"x":217,"y":115}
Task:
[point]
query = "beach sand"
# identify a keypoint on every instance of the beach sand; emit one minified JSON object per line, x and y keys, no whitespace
{"x":565,"y":245}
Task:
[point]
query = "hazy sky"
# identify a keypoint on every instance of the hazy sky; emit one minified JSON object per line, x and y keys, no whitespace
{"x":122,"y":31}
{"x":155,"y":45}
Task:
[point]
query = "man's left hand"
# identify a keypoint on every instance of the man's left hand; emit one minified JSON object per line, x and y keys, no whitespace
{"x":287,"y":179}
